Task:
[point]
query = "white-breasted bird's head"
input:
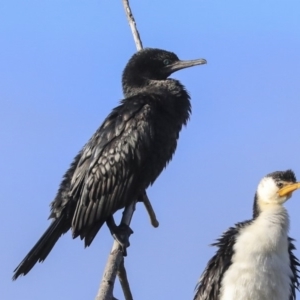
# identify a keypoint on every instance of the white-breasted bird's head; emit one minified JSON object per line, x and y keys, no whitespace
{"x":274,"y":189}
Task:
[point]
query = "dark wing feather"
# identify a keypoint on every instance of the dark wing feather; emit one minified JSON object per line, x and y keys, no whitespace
{"x":62,"y":198}
{"x":209,"y":284}
{"x":294,"y":262}
{"x":108,"y":170}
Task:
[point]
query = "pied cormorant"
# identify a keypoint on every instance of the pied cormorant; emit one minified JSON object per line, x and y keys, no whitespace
{"x":255,"y":259}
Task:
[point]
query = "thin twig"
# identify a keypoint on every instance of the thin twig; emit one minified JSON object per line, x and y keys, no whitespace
{"x":132,"y":24}
{"x":124,"y":281}
{"x":105,"y":291}
{"x":150,"y":210}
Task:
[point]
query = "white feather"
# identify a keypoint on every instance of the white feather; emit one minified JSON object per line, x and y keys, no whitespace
{"x":260,"y":268}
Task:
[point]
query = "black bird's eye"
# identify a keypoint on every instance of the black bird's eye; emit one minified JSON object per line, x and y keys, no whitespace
{"x":167,"y":62}
{"x":280,"y":184}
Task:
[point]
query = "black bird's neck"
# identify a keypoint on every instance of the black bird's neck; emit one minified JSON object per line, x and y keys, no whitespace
{"x":138,"y":85}
{"x":169,"y":94}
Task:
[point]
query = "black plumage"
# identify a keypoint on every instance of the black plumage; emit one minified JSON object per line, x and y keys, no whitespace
{"x":210,"y":282}
{"x":124,"y":156}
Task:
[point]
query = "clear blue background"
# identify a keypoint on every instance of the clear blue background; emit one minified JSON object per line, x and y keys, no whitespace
{"x":60,"y":69}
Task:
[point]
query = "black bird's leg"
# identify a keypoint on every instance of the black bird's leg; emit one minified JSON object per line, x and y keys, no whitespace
{"x":120,"y":233}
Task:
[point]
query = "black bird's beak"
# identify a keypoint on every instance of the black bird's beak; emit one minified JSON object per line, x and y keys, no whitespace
{"x":182,"y":64}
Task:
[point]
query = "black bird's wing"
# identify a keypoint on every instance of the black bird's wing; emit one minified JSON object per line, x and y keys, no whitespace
{"x":107,"y":174}
{"x":104,"y":177}
{"x":209,"y":284}
{"x":294,"y":263}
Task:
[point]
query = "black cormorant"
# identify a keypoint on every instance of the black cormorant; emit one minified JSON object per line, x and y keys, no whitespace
{"x":255,"y":259}
{"x":124,"y":156}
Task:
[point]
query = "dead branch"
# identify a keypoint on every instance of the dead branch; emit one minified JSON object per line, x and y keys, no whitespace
{"x":132,"y":24}
{"x":150,"y":210}
{"x":115,"y":258}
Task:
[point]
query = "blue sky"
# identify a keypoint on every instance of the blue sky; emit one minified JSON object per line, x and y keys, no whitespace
{"x":60,"y":75}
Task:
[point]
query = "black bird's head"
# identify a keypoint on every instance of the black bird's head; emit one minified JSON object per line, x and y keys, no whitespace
{"x":274,"y":190}
{"x":153,"y":64}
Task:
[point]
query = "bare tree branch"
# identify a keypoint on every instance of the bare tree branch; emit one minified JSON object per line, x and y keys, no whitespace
{"x":105,"y":291}
{"x":150,"y":210}
{"x":115,"y":258}
{"x":124,"y":281}
{"x":132,"y":24}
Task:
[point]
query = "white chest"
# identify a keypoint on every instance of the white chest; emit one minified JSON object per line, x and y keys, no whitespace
{"x":260,"y":267}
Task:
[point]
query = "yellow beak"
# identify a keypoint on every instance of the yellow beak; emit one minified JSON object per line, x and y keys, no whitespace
{"x":289,"y":189}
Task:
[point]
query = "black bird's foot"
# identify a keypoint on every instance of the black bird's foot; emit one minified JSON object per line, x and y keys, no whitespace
{"x":120,"y":233}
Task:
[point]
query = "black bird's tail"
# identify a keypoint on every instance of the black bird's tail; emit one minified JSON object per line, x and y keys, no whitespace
{"x":43,"y":247}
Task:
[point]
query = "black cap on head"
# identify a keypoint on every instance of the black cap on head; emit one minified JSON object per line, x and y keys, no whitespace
{"x":287,"y":175}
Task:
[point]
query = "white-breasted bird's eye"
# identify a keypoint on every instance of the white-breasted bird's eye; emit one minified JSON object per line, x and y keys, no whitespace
{"x":280,"y":184}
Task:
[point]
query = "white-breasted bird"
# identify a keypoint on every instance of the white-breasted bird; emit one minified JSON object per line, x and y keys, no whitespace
{"x":255,"y":259}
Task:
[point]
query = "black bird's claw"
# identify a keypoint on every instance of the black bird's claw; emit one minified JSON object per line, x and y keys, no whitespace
{"x":121,"y":234}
